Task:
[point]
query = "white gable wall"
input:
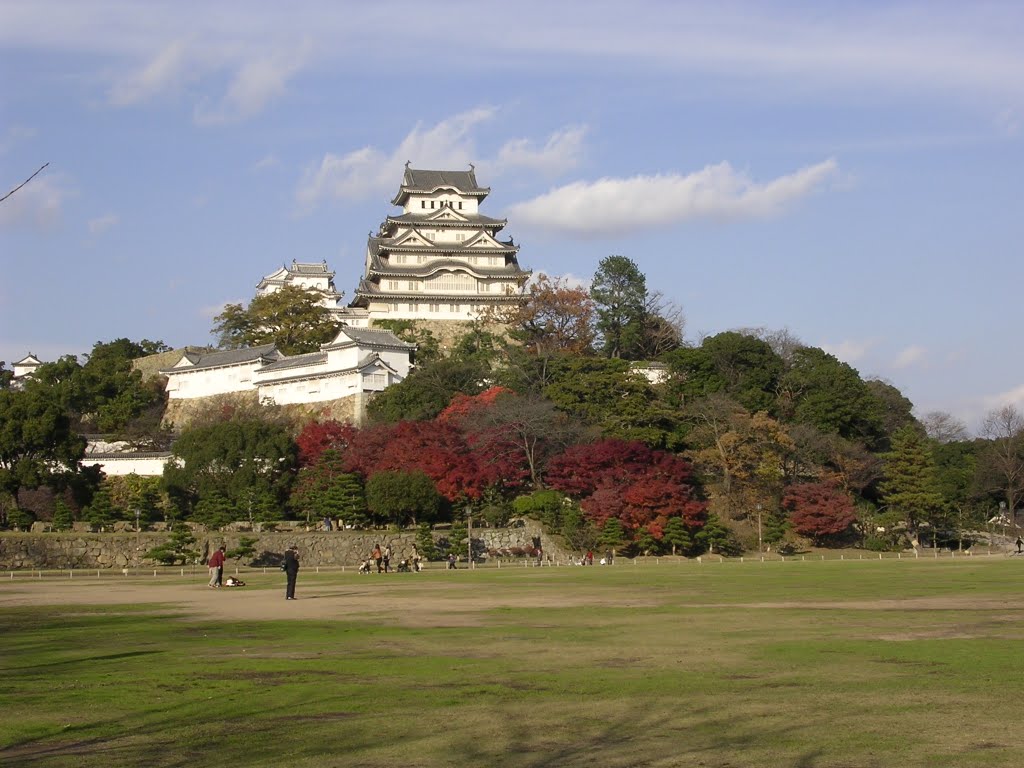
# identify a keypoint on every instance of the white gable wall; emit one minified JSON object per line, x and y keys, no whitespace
{"x":206,"y":382}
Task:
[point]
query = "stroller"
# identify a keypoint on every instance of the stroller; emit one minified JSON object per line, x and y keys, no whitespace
{"x":233,"y":582}
{"x":364,"y":567}
{"x":403,"y":567}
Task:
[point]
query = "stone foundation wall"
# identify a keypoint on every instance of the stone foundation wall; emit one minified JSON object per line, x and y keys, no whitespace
{"x":71,"y":549}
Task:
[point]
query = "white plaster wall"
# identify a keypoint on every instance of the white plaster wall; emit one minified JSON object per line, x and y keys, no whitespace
{"x":205,"y":382}
{"x":311,"y":390}
{"x":149,"y":466}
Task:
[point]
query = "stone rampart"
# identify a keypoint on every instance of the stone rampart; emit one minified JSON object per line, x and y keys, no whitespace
{"x":76,"y":549}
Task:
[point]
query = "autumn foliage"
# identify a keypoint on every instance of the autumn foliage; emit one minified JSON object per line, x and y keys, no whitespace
{"x":625,"y":480}
{"x":819,"y":510}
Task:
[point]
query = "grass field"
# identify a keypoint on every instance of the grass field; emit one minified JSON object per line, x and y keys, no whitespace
{"x":893,"y":663}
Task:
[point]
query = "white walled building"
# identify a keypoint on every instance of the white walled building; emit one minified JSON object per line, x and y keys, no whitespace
{"x":356,"y":363}
{"x":439,"y":259}
{"x":310,"y":276}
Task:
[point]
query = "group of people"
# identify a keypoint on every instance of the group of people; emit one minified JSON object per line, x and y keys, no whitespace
{"x":381,"y":559}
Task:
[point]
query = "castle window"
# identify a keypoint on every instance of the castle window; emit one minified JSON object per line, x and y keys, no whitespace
{"x":423,"y":203}
{"x":453,"y":307}
{"x":431,"y":204}
{"x":460,"y":205}
{"x":435,"y":308}
{"x":414,"y":307}
{"x":414,"y":285}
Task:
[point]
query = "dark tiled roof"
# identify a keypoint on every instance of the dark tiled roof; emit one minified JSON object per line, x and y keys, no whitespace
{"x":310,"y":358}
{"x":228,"y":357}
{"x":375,"y":338}
{"x":416,"y":180}
{"x":471,"y":220}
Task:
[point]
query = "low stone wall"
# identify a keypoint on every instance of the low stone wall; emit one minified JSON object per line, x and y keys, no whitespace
{"x":73,"y":549}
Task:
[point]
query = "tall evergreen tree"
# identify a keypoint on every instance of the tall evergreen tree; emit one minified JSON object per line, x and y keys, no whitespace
{"x":911,"y":487}
{"x":619,"y":292}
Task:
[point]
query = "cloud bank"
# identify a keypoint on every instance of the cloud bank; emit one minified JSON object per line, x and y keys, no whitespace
{"x":368,"y":172}
{"x":615,"y":206}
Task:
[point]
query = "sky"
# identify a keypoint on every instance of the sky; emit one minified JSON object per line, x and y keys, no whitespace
{"x":849,"y":171}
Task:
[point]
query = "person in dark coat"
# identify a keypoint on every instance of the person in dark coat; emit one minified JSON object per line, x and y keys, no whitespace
{"x":291,"y":569}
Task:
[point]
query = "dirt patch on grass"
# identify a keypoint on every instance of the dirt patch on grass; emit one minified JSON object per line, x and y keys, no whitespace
{"x":435,"y":602}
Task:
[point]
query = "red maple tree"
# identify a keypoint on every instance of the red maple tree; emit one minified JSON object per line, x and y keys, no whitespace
{"x":819,"y":510}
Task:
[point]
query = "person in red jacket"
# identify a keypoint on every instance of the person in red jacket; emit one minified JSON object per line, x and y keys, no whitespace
{"x":216,"y":568}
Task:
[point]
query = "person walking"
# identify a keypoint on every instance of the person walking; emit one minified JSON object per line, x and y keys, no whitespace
{"x":291,"y":570}
{"x":216,"y":565}
{"x":1020,"y":545}
{"x":387,"y":558}
{"x":377,"y":558}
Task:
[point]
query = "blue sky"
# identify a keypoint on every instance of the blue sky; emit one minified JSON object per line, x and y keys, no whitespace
{"x":849,"y":171}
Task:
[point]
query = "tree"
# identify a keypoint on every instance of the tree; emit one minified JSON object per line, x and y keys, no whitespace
{"x":943,"y":427}
{"x":553,"y":318}
{"x":619,"y":292}
{"x":292,"y":318}
{"x":1002,"y":462}
{"x":63,"y":519}
{"x":819,"y":510}
{"x":745,"y":454}
{"x":717,"y":537}
{"x":37,"y":443}
{"x":326,"y":490}
{"x":910,"y":486}
{"x":609,"y":396}
{"x":514,"y":431}
{"x":428,"y":350}
{"x":676,"y":535}
{"x":828,"y":394}
{"x":316,"y":437}
{"x":663,"y":326}
{"x":742,"y":366}
{"x":403,"y":498}
{"x":241,"y":459}
{"x":425,"y":542}
{"x":428,"y":390}
{"x":178,"y":548}
{"x":611,"y":535}
{"x":895,"y":409}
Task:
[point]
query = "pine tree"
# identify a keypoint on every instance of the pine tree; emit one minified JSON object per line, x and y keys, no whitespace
{"x":911,"y":485}
{"x":425,"y":542}
{"x":62,"y":517}
{"x":646,"y":542}
{"x":101,"y":512}
{"x":677,"y":535}
{"x":612,"y":534}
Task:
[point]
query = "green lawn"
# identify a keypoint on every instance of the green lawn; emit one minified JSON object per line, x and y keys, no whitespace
{"x":777,"y":664}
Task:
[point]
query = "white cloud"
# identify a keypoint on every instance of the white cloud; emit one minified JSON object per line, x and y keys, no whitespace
{"x":623,"y":205}
{"x":911,"y":355}
{"x":267,"y":161}
{"x":561,"y":152}
{"x":37,"y":205}
{"x":167,"y":71}
{"x":849,"y":351}
{"x":101,"y":224}
{"x":1014,"y":396}
{"x":256,"y":83}
{"x":369,"y":171}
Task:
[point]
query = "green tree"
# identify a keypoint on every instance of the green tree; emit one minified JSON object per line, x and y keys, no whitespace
{"x":215,"y":510}
{"x":428,"y":390}
{"x":619,"y":293}
{"x":63,"y":518}
{"x":241,"y":459}
{"x":742,"y":366}
{"x":612,"y":535}
{"x":677,"y":536}
{"x":608,"y":396}
{"x":428,"y":349}
{"x":179,"y":547}
{"x":645,"y":541}
{"x":425,"y":542}
{"x":401,"y":498}
{"x":37,"y":443}
{"x":292,"y":318}
{"x":821,"y":391}
{"x":717,"y":537}
{"x":910,"y":487}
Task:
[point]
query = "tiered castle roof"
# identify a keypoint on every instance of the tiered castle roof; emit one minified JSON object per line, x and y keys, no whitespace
{"x":440,"y":248}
